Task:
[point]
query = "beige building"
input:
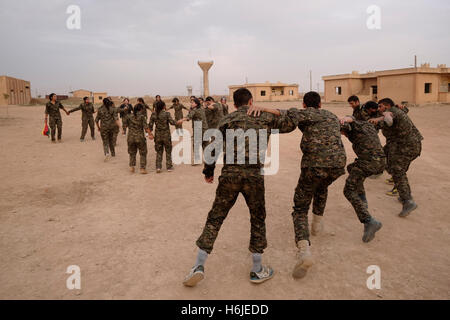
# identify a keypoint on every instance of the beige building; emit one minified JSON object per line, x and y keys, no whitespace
{"x":99,"y":96}
{"x":14,"y":91}
{"x":81,"y":93}
{"x":419,"y":85}
{"x":269,"y":91}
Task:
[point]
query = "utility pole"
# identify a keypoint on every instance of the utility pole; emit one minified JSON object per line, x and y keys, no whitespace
{"x":415,"y":61}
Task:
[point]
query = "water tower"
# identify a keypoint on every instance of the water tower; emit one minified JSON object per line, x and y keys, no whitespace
{"x":205,"y":66}
{"x":189,"y":90}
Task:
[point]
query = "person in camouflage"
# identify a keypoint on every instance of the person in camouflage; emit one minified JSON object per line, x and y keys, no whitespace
{"x":371,"y":161}
{"x":145,"y":107}
{"x":197,"y":113}
{"x":157,"y":98}
{"x":404,"y":142}
{"x":322,"y":163}
{"x":125,"y":109}
{"x":163,"y":140}
{"x":223,"y":102}
{"x":246,"y":178}
{"x":213,"y":112}
{"x":87,"y":117}
{"x":178,"y":107}
{"x":361,"y":112}
{"x":52,"y":110}
{"x":107,"y":121}
{"x":137,"y":124}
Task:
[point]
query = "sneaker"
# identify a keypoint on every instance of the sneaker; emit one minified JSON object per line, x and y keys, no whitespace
{"x":265,"y":274}
{"x":170,"y":170}
{"x":143,"y":171}
{"x":132,"y":169}
{"x":370,"y":228}
{"x":158,"y":170}
{"x":195,"y":276}
{"x":81,"y":140}
{"x":107,"y":157}
{"x":393,"y":192}
{"x":390,"y":181}
{"x":305,"y":260}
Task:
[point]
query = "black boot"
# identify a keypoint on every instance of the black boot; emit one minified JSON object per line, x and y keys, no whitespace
{"x":408,"y":206}
{"x":370,"y":228}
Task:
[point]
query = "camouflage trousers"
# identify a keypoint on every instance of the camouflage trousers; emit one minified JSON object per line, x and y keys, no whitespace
{"x":115,"y":134}
{"x":252,"y":188}
{"x":312,"y":186}
{"x":354,"y":185}
{"x":161,"y":144}
{"x":135,"y":144}
{"x":107,"y":135}
{"x":85,"y":122}
{"x":55,"y":123}
{"x":399,"y":161}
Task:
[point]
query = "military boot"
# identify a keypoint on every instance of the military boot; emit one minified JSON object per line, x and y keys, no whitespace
{"x":370,"y":228}
{"x":317,"y":225}
{"x":304,"y":260}
{"x":408,"y":206}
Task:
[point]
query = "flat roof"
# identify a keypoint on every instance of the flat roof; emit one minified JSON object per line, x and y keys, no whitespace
{"x":374,"y":74}
{"x":264,"y":84}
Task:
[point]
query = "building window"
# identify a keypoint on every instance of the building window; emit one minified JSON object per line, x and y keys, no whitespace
{"x":374,"y":89}
{"x":427,"y":87}
{"x":282,"y":92}
{"x":263,"y":93}
{"x":100,"y":98}
{"x":291,"y":92}
{"x":338,"y":90}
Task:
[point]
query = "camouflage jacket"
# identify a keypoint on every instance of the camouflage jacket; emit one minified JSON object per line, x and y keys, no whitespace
{"x":87,"y":110}
{"x":198,"y":114}
{"x":225,"y":110}
{"x":360,"y":113}
{"x":364,"y":139}
{"x":107,"y":117}
{"x":124,"y":109}
{"x":402,"y":130}
{"x":238,"y":129}
{"x":144,"y":109}
{"x":178,"y":110}
{"x":136,"y":125}
{"x":53,"y":109}
{"x":321,"y":142}
{"x":161,"y":122}
{"x":213,"y":116}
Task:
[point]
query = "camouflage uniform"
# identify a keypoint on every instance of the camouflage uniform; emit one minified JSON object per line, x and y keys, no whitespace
{"x":360,"y":113}
{"x":124,"y":110}
{"x":213,"y":116}
{"x":322,"y":163}
{"x":87,"y":118}
{"x":371,"y":161}
{"x":55,"y":120}
{"x":225,"y":110}
{"x":136,"y":125}
{"x":163,"y":139}
{"x":116,"y":128}
{"x":108,"y":127}
{"x":404,"y":144}
{"x":241,"y":178}
{"x":178,"y":113}
{"x":198,"y":114}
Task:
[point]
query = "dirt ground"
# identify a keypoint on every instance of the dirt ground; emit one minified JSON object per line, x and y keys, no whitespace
{"x":133,"y":236}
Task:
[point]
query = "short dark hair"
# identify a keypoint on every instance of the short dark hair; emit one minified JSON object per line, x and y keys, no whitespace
{"x":85,"y":98}
{"x":371,"y":105}
{"x":197,"y":102}
{"x":242,"y":96}
{"x":51,"y":95}
{"x":353,"y":98}
{"x":140,"y":100}
{"x":209,"y":98}
{"x":311,"y":99}
{"x":387,"y":102}
{"x":175,"y":100}
{"x":157,"y":96}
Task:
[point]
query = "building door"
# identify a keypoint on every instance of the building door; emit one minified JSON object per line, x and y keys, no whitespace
{"x":374,"y":93}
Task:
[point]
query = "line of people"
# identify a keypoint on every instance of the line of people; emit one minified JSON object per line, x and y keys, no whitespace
{"x":323,"y":161}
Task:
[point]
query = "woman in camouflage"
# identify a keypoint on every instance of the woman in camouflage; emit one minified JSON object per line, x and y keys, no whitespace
{"x":163,"y":141}
{"x":107,"y":123}
{"x":178,"y":107}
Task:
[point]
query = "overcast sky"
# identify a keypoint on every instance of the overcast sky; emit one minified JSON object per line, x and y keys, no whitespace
{"x":152,"y":47}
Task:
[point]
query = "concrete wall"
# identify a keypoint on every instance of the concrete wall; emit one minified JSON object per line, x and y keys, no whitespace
{"x":81,"y":93}
{"x":269,"y":96}
{"x":397,"y":87}
{"x":330,"y":90}
{"x":19,"y":91}
{"x":99,"y":96}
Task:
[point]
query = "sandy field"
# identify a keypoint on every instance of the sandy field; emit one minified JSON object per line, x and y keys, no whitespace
{"x":133,"y":235}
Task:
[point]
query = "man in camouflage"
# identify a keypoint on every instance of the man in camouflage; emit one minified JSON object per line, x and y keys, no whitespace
{"x":371,"y":161}
{"x":161,"y":119}
{"x":125,"y":109}
{"x":223,"y":102}
{"x":359,"y":113}
{"x":178,"y":107}
{"x":137,"y":124}
{"x":87,"y":117}
{"x":322,"y":163}
{"x":52,"y":110}
{"x":237,"y":178}
{"x":404,"y":142}
{"x":213,"y":112}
